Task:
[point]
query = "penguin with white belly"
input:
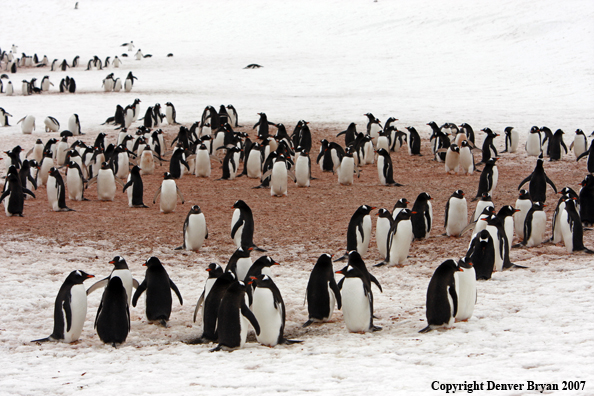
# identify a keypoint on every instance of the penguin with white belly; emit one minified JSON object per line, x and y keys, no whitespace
{"x":240,"y":262}
{"x":135,"y":188}
{"x":75,"y":182}
{"x":465,"y":281}
{"x":195,"y":230}
{"x":538,"y":181}
{"x":303,"y":169}
{"x":70,"y":309}
{"x":385,"y":169}
{"x":120,"y":270}
{"x":359,"y":231}
{"x":456,"y":214}
{"x":322,"y":292}
{"x":533,"y":143}
{"x":382,"y":230}
{"x":572,"y":230}
{"x":214,"y":272}
{"x":169,"y":193}
{"x":442,"y":300}
{"x":399,"y":239}
{"x":579,"y":144}
{"x":422,"y":216}
{"x":481,"y":254}
{"x":523,"y":205}
{"x":13,"y":194}
{"x":106,"y":183}
{"x":535,"y":225}
{"x":357,"y":296}
{"x":242,"y":226}
{"x":56,"y":191}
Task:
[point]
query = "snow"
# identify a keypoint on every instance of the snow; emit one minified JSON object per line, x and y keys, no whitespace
{"x":487,"y":63}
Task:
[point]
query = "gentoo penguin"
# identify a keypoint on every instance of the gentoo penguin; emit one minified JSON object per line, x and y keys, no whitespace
{"x":399,"y":239}
{"x":169,"y":193}
{"x":45,"y":165}
{"x":322,"y":292}
{"x":9,"y":89}
{"x":106,"y":183}
{"x":74,"y":125}
{"x":27,"y":179}
{"x":533,"y":143}
{"x":587,"y":200}
{"x":382,"y":230}
{"x":556,"y":144}
{"x":422,"y":216}
{"x":278,"y":177}
{"x":546,"y":141}
{"x":117,"y":84}
{"x":4,"y":117}
{"x":240,"y":262}
{"x":347,"y":168}
{"x":481,"y":254}
{"x":535,"y":225}
{"x":349,"y":134}
{"x":468,"y":131}
{"x":579,"y":144}
{"x":158,"y":288}
{"x":212,"y":301}
{"x":202,"y":166}
{"x":488,"y":179}
{"x":135,"y":188}
{"x":538,"y":183}
{"x":402,"y":203}
{"x":70,"y":309}
{"x":130,"y":45}
{"x":56,"y":191}
{"x":512,"y":139}
{"x":171,"y":114}
{"x":589,"y":154}
{"x":262,"y":125}
{"x":113,"y":315}
{"x":414,"y":141}
{"x":555,"y":223}
{"x":45,"y":83}
{"x":465,"y":281}
{"x":231,"y":163}
{"x":120,"y":270}
{"x":146,"y":163}
{"x":489,"y":150}
{"x":75,"y":182}
{"x":214,"y":272}
{"x":178,"y":163}
{"x":61,"y":151}
{"x":28,"y":124}
{"x":117,"y":62}
{"x":129,"y":82}
{"x":195,"y":230}
{"x":452,"y":159}
{"x":456,"y":214}
{"x":269,"y":309}
{"x":572,"y":230}
{"x":373,"y":127}
{"x":233,"y":117}
{"x":486,"y":201}
{"x":506,"y":215}
{"x":442,"y":300}
{"x":108,"y":83}
{"x":234,"y":318}
{"x":385,"y":170}
{"x":14,"y":194}
{"x":466,"y":159}
{"x":357,"y":296}
{"x":242,"y":226}
{"x":51,"y":124}
{"x":303,"y":169}
{"x":359,"y":231}
{"x":523,"y":205}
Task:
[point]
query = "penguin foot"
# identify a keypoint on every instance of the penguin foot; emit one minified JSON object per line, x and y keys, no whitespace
{"x":378,"y":264}
{"x":217,"y":348}
{"x":376,"y":328}
{"x":291,"y":342}
{"x":307,"y":323}
{"x":179,"y":248}
{"x":426,"y":329}
{"x":163,"y":323}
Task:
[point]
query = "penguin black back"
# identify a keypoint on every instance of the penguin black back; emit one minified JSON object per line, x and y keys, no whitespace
{"x":113,"y":316}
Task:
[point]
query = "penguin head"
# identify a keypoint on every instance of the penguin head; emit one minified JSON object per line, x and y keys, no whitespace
{"x":167,"y":176}
{"x":458,"y":194}
{"x":401,"y":203}
{"x":383,"y":213}
{"x":195,"y":209}
{"x":538,"y":206}
{"x":119,"y":262}
{"x":524,"y":194}
{"x":239,"y":204}
{"x":152,"y":262}
{"x":78,"y":277}
{"x":486,"y":197}
{"x":464,"y":262}
{"x":506,"y":211}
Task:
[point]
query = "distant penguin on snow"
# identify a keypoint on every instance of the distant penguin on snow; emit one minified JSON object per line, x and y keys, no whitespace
{"x":322,"y":292}
{"x":442,"y":300}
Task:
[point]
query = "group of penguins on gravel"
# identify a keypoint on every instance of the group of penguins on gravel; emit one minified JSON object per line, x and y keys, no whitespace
{"x":244,"y":294}
{"x":9,"y":62}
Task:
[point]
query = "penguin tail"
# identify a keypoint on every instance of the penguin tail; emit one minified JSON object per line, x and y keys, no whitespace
{"x":259,"y":249}
{"x":307,"y":323}
{"x":380,"y":264}
{"x":179,"y":248}
{"x":376,"y":328}
{"x":517,"y":245}
{"x":291,"y":342}
{"x":395,"y":184}
{"x":46,"y":339}
{"x":217,"y":348}
{"x":163,"y":322}
{"x":426,"y":330}
{"x":588,"y":251}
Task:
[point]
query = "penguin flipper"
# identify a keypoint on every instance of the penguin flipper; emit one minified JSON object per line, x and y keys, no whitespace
{"x":526,"y":180}
{"x":336,"y":291}
{"x":156,"y":195}
{"x":179,"y":194}
{"x":426,"y":329}
{"x":176,"y":290}
{"x":582,"y":155}
{"x":292,"y":175}
{"x":468,"y":227}
{"x":139,"y":290}
{"x":97,"y":285}
{"x":27,"y":191}
{"x":249,"y":315}
{"x":551,"y":183}
{"x":128,"y":184}
{"x":119,"y":181}
{"x":198,"y":305}
{"x":374,"y":280}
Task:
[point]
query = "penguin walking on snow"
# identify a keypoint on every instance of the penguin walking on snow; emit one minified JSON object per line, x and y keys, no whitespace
{"x":456,"y":214}
{"x":157,"y":285}
{"x":113,"y":315}
{"x":234,"y":318}
{"x":169,"y":193}
{"x":442,"y":300}
{"x":465,"y":281}
{"x":56,"y":191}
{"x":195,"y":230}
{"x":357,"y":296}
{"x":538,"y":183}
{"x":215,"y":271}
{"x":359,"y":231}
{"x":322,"y":292}
{"x":120,"y":270}
{"x":135,"y":188}
{"x":70,"y":309}
{"x":242,"y":226}
{"x":13,"y":194}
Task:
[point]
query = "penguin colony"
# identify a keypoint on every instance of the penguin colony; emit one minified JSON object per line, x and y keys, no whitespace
{"x":272,"y":159}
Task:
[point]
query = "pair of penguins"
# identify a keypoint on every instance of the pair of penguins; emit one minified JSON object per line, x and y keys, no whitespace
{"x":113,"y":315}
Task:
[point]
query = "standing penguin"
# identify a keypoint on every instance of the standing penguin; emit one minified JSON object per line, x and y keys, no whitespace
{"x":452,"y":158}
{"x":106,"y":181}
{"x":512,"y":139}
{"x":177,"y":163}
{"x":402,"y":203}
{"x":488,"y":179}
{"x":215,"y":271}
{"x":303,"y":169}
{"x":212,"y":303}
{"x":56,"y":191}
{"x":70,"y":309}
{"x":465,"y":281}
{"x":195,"y":231}
{"x":414,"y":141}
{"x":74,"y":125}
{"x":268,"y":308}
{"x":120,"y":270}
{"x":456,"y":214}
{"x":233,"y":117}
{"x":242,"y":226}
{"x":129,"y":82}
{"x":28,"y":124}
{"x":359,"y":231}
{"x":234,"y":318}
{"x":278,"y":177}
{"x":422,"y":215}
{"x":385,"y":169}
{"x":135,"y":188}
{"x":587,"y":201}
{"x":169,"y":193}
{"x":399,"y":239}
{"x":442,"y":300}
{"x":202,"y":166}
{"x":322,"y":292}
{"x":171,"y":114}
{"x":589,"y":154}
{"x":14,"y":194}
{"x":579,"y":144}
{"x":523,"y":205}
{"x":533,"y":143}
{"x":535,"y":225}
{"x":489,"y":150}
{"x":75,"y":182}
{"x":556,"y":143}
{"x":572,"y":230}
{"x":113,"y":315}
{"x":347,"y":168}
{"x":357,"y":296}
{"x":538,"y":183}
{"x":158,"y":294}
{"x":481,"y":254}
{"x":231,"y":163}
{"x":466,"y":159}
{"x":240,"y":262}
{"x":262,"y":125}
{"x":382,"y":230}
